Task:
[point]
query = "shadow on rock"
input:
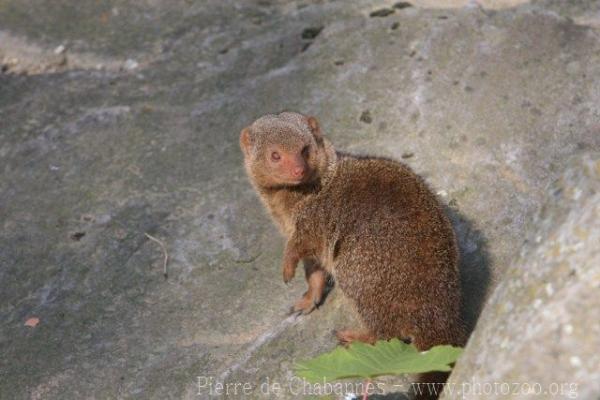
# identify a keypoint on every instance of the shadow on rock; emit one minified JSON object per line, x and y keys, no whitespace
{"x":474,"y":266}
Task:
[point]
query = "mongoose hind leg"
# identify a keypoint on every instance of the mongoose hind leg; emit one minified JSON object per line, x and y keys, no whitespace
{"x":316,"y":277}
{"x":347,"y":336}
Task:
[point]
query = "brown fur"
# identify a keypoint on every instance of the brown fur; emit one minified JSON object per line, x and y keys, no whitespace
{"x":371,"y":223}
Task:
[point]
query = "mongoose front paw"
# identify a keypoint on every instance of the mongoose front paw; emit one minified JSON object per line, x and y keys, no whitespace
{"x":304,"y":305}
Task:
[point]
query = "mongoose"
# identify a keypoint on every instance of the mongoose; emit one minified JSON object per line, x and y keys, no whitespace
{"x":369,"y":222}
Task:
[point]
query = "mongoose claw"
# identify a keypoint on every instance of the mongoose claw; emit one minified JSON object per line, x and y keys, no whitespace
{"x":293,"y":311}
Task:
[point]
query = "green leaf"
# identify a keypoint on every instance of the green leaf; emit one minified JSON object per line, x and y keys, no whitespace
{"x":363,"y":360}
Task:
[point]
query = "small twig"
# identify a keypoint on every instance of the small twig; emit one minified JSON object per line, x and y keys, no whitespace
{"x":164,"y":249}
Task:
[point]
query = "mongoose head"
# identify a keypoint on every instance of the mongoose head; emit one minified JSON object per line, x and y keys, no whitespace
{"x":282,"y":150}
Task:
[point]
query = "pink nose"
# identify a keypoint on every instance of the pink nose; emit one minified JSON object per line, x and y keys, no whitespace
{"x":298,"y":172}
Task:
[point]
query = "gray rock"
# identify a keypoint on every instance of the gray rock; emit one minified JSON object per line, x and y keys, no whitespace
{"x":494,"y":105}
{"x":539,"y":331}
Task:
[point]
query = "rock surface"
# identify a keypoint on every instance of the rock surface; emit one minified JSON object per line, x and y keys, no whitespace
{"x":544,"y":311}
{"x":122,"y":118}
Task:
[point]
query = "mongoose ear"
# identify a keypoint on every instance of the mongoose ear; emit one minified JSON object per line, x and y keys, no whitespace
{"x":245,"y":140}
{"x":313,"y":124}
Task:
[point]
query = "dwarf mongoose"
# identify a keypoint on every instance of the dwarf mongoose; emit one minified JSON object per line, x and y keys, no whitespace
{"x":371,"y":223}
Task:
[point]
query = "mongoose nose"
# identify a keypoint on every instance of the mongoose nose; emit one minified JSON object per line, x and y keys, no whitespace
{"x":298,"y":172}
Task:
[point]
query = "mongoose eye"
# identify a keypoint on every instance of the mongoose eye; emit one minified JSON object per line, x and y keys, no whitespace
{"x":306,"y":152}
{"x":275,"y":156}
